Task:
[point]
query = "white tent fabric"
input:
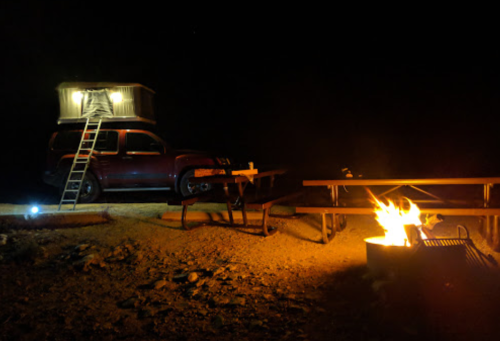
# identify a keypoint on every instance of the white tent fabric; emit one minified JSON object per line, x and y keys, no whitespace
{"x":113,"y":101}
{"x":97,"y":103}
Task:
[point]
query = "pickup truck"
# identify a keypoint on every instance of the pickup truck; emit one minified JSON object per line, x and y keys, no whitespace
{"x":127,"y":160}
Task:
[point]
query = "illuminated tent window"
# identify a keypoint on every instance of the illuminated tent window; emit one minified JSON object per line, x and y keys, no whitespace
{"x":97,"y":103}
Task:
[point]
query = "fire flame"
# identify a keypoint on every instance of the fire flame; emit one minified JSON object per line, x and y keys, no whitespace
{"x":393,"y":220}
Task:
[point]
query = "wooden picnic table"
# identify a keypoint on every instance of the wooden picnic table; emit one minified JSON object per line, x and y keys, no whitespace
{"x":241,"y":182}
{"x":338,"y":213}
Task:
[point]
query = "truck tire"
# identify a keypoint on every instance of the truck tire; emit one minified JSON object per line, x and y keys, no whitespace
{"x":187,"y":189}
{"x":90,"y":191}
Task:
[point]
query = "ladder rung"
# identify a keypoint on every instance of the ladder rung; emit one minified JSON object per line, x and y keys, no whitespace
{"x":85,"y":148}
{"x":81,"y":162}
{"x":71,"y":190}
{"x":75,"y":180}
{"x":68,"y":200}
{"x":78,"y":171}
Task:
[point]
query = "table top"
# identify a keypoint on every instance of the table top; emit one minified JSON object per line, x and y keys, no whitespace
{"x":234,"y":179}
{"x":396,"y":182}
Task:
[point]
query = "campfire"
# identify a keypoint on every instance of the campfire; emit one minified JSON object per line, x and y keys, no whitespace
{"x":408,"y":244}
{"x":393,"y":220}
{"x":398,"y":222}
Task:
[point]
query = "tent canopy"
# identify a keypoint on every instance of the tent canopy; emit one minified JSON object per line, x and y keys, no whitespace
{"x":106,"y":100}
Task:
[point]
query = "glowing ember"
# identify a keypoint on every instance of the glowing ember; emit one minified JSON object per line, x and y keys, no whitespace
{"x":393,"y":220}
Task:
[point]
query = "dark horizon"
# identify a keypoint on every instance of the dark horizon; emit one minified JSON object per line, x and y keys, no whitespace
{"x":391,"y":104}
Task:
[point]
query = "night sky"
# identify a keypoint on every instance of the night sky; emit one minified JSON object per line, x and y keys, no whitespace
{"x":312,"y":92}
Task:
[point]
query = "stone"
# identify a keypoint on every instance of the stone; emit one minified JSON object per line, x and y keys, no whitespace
{"x":85,"y":261}
{"x":232,"y":267}
{"x":131,"y":302}
{"x":218,"y":301}
{"x":268,"y":297}
{"x":192,"y":277}
{"x":237,"y":301}
{"x":135,"y":258}
{"x":218,"y":322}
{"x":159,"y":284}
{"x":192,"y":292}
{"x":180,"y":278}
{"x":81,"y":247}
{"x":298,"y":308}
{"x":255,"y":324}
{"x":145,"y":313}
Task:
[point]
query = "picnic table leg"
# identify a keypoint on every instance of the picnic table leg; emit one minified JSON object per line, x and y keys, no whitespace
{"x":228,"y":203}
{"x":265,"y":230}
{"x":183,"y":219}
{"x":243,"y":204}
{"x":324,"y":230}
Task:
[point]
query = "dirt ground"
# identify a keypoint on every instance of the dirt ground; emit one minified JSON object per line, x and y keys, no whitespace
{"x":135,"y":276}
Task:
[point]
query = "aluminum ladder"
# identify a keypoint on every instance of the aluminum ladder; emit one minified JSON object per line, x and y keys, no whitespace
{"x":80,"y":164}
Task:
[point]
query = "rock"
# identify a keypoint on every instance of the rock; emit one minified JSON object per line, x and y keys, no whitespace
{"x":180,"y":278}
{"x":145,"y":313}
{"x":216,"y":272}
{"x":135,"y":258}
{"x":202,"y":312}
{"x":237,"y":301}
{"x":255,"y":324}
{"x":298,"y":308}
{"x":218,"y":322}
{"x":218,"y":301}
{"x":3,"y":239}
{"x":43,"y":253}
{"x":192,"y":292}
{"x":84,"y":262}
{"x":268,"y":297}
{"x":232,"y":267}
{"x":132,"y":302}
{"x":159,"y":284}
{"x":81,"y":247}
{"x":192,"y":277}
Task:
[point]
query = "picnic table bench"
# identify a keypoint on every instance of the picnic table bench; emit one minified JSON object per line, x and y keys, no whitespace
{"x":339,"y":213}
{"x":260,"y":199}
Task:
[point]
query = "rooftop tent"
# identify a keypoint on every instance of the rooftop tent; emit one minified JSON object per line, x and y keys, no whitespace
{"x":109,"y":101}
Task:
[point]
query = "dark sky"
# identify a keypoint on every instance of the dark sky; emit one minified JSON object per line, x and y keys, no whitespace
{"x":314,"y":91}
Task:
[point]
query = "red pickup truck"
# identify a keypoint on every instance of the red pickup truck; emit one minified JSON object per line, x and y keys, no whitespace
{"x":127,"y":160}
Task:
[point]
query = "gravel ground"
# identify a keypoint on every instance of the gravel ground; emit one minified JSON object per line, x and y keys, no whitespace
{"x":137,"y":277}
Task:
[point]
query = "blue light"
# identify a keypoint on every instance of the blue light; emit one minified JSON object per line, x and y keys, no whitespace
{"x":35,"y":210}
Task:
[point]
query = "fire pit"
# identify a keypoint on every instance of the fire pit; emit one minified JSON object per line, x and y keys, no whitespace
{"x":409,"y":248}
{"x":434,"y":257}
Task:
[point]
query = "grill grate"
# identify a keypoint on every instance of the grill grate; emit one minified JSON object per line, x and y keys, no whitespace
{"x":473,"y":257}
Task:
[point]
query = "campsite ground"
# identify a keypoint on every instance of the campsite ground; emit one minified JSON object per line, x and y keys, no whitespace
{"x":148,"y":278}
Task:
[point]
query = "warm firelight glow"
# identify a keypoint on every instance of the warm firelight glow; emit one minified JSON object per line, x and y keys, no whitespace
{"x":393,"y":220}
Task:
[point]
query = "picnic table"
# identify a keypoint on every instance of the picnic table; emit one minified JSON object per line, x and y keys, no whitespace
{"x":260,"y":199}
{"x":339,"y":212}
